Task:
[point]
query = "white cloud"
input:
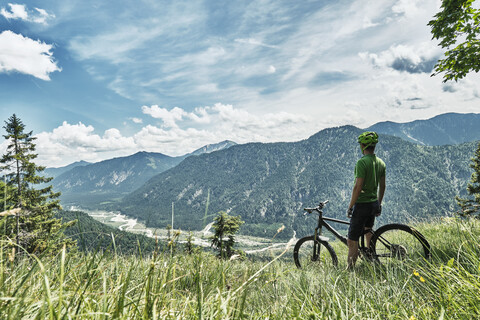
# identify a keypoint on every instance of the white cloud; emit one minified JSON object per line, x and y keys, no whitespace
{"x":185,"y":132}
{"x":24,"y":55}
{"x":208,"y":88}
{"x":414,"y":59}
{"x":169,"y":117}
{"x":138,"y":39}
{"x":68,"y":143}
{"x":189,"y":132}
{"x":136,"y":120}
{"x":367,"y":23}
{"x":42,"y":16}
{"x":19,"y":11}
{"x":225,"y":116}
{"x":408,"y":8}
{"x":112,"y":46}
{"x":255,"y":42}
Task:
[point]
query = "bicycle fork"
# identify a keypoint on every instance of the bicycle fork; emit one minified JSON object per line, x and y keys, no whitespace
{"x":317,"y":238}
{"x":316,"y":246}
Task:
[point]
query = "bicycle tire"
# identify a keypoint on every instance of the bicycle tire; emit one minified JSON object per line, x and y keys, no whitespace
{"x":399,"y":242}
{"x":303,"y":253}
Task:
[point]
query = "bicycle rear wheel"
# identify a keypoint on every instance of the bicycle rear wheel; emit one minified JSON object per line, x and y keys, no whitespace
{"x":399,"y":242}
{"x":309,"y":252}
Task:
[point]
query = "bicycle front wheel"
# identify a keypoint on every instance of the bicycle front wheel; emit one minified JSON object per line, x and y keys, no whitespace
{"x":399,"y":242}
{"x":309,"y":252}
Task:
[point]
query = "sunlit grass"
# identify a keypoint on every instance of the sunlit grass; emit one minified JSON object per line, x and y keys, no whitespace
{"x":200,"y":286}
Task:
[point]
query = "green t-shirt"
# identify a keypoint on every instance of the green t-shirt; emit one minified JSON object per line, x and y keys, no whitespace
{"x":372,"y":169}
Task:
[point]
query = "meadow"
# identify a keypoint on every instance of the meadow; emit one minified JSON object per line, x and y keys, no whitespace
{"x":106,"y":285}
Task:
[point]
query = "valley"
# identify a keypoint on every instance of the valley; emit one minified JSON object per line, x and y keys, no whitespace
{"x":249,"y":244}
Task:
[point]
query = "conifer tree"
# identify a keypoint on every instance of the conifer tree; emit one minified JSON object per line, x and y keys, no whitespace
{"x":471,"y":207}
{"x":36,"y":229}
{"x":223,"y":240}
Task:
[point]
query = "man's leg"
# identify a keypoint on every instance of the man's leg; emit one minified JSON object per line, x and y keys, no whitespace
{"x":352,"y":253}
{"x":369,"y":224}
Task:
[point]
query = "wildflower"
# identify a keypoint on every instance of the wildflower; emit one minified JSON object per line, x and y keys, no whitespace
{"x":416,"y":274}
{"x":412,"y":317}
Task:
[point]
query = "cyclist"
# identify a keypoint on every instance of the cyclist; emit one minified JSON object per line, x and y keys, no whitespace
{"x":367,"y":195}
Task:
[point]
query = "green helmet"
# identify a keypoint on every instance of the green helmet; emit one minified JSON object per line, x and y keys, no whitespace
{"x":368,"y":138}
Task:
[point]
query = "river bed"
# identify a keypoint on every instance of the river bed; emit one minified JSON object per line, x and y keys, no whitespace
{"x":250,"y":245}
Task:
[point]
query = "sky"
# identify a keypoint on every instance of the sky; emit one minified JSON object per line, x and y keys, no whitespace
{"x":95,"y":80}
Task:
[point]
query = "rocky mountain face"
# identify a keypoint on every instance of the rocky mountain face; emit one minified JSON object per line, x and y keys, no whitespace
{"x":212,"y":147}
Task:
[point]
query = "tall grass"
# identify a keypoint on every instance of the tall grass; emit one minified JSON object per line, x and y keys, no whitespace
{"x":200,"y":286}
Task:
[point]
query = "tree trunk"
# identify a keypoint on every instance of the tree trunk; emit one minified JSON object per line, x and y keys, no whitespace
{"x":19,"y":190}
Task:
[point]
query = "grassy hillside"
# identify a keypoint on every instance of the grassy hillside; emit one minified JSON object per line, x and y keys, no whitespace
{"x":108,"y":286}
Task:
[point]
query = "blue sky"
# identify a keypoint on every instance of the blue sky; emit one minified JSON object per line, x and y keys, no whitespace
{"x":99,"y":79}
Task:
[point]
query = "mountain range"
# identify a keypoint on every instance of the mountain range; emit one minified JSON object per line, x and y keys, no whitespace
{"x":109,"y":180}
{"x":448,"y":128}
{"x":268,"y":184}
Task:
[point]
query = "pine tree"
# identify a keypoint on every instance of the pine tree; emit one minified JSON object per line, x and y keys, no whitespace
{"x":36,"y":229}
{"x":223,"y":240}
{"x":471,"y":207}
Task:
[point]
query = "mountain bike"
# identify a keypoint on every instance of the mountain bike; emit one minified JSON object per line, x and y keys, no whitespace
{"x":389,"y":242}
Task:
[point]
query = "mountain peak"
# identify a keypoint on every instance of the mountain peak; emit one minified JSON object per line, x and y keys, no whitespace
{"x":444,"y":129}
{"x":213,"y":147}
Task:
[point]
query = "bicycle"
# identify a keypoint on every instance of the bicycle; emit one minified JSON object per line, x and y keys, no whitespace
{"x":391,"y":241}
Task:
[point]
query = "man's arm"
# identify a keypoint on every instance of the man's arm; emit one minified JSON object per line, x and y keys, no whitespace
{"x":357,"y":188}
{"x":381,"y":189}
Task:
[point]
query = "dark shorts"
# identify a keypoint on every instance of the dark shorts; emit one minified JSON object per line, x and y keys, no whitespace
{"x":363,"y":217}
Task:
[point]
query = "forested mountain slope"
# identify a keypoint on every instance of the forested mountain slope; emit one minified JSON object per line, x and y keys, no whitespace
{"x":269,"y":184}
{"x":92,"y":235}
{"x":109,"y":180}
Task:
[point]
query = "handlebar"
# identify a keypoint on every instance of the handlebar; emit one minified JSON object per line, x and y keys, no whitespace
{"x":318,"y":208}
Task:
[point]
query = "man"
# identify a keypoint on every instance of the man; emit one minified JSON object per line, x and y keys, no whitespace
{"x":365,"y":203}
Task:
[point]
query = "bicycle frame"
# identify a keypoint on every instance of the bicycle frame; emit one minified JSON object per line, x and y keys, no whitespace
{"x":322,"y":223}
{"x":362,"y":245}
